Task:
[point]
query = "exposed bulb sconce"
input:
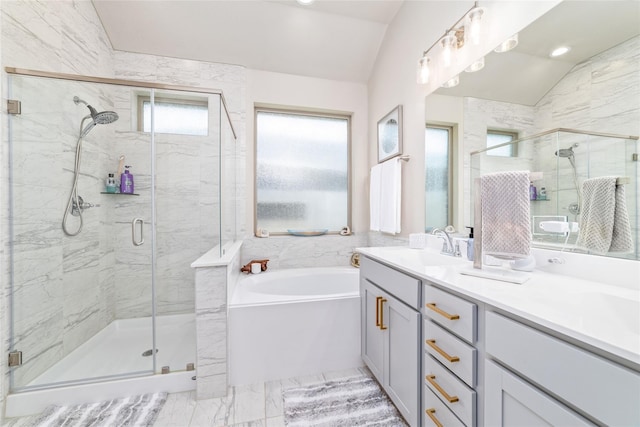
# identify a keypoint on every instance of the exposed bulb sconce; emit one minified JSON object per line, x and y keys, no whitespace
{"x":452,"y":41}
{"x":477,"y":65}
{"x":475,"y":16}
{"x":452,"y":83}
{"x":508,"y":44}
{"x":423,"y":70}
{"x":449,"y":43}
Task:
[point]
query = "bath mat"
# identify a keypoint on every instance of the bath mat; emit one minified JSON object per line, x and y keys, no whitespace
{"x":131,"y":411}
{"x":351,"y":402}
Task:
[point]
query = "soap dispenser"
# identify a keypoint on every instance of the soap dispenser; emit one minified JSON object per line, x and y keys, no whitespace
{"x":470,"y":244}
{"x":126,"y":181}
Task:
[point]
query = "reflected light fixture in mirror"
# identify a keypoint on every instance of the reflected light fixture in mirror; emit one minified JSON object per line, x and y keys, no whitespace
{"x":451,"y":83}
{"x":508,"y":44}
{"x":423,"y":70}
{"x":477,"y":65}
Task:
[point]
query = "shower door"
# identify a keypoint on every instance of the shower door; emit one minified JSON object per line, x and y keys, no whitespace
{"x":81,"y":302}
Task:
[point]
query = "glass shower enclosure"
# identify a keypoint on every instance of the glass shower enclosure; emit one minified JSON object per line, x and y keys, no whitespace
{"x":559,"y":161}
{"x":101,"y":284}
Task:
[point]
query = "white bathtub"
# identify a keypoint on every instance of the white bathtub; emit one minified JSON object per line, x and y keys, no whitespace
{"x":295,"y":322}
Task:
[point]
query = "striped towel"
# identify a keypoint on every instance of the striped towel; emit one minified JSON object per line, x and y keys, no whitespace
{"x":604,"y":225}
{"x":506,"y":222}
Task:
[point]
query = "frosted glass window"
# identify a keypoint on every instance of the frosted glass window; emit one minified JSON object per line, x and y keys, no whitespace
{"x":177,"y":117}
{"x":302,"y":175}
{"x":495,"y":137}
{"x":438,"y":141}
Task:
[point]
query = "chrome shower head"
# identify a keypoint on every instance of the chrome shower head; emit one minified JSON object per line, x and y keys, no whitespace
{"x":97,"y":118}
{"x":565,"y":152}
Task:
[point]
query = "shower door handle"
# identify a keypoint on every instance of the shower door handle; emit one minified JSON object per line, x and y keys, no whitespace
{"x":140,"y":241}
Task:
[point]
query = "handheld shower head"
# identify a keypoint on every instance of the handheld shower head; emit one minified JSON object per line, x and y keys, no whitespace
{"x":97,"y":118}
{"x":565,"y":152}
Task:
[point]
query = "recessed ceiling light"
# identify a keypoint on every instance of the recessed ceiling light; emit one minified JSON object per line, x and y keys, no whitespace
{"x":560,"y":51}
{"x":305,"y":2}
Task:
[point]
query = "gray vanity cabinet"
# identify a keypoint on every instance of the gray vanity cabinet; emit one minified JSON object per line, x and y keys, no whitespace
{"x":391,"y":334}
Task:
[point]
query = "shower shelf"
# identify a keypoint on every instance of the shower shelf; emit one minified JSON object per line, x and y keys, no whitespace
{"x":120,"y":194}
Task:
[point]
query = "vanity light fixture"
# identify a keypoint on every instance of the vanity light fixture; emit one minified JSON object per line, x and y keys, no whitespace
{"x":449,"y":43}
{"x":423,"y":69}
{"x":453,"y":40}
{"x":477,"y":65}
{"x":452,"y":83}
{"x":475,"y":16}
{"x":559,"y":51}
{"x":508,"y":44}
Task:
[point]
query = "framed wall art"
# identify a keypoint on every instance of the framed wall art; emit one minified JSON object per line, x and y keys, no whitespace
{"x":390,"y":135}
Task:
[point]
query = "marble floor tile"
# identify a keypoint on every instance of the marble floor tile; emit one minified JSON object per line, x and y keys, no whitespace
{"x":177,"y":410}
{"x":248,"y":403}
{"x":254,"y":405}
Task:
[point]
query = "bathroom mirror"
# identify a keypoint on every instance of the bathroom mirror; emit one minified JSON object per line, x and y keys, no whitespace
{"x":524,"y":92}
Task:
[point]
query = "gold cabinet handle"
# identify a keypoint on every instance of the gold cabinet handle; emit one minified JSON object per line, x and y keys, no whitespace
{"x":378,"y":311}
{"x":432,"y":306}
{"x":432,"y":380}
{"x":382,"y":327}
{"x":451,"y":359}
{"x":431,"y":412}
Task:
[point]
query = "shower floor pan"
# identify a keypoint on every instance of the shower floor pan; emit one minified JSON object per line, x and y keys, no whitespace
{"x":116,"y":350}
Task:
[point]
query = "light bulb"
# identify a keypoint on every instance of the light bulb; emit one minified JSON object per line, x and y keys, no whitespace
{"x":448,"y":44}
{"x":423,"y":70}
{"x":475,"y":16}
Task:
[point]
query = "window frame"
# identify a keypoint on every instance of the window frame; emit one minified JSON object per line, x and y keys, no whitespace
{"x":514,"y":137}
{"x":299,"y":112}
{"x":450,"y":164}
{"x":141,"y":99}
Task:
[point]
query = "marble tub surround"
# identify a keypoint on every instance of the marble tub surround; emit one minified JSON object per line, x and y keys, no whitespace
{"x":212,"y":278}
{"x":595,"y":313}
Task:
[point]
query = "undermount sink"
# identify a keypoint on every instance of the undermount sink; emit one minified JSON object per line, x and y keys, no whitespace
{"x":428,"y":258}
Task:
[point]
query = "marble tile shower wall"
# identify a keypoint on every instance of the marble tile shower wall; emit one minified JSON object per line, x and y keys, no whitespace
{"x":599,"y":95}
{"x":64,"y":36}
{"x":67,"y":36}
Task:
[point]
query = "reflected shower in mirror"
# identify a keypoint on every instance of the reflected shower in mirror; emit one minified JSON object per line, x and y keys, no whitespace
{"x":592,"y":89}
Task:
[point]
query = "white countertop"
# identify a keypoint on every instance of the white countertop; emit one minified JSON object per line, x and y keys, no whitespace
{"x":603,"y":316}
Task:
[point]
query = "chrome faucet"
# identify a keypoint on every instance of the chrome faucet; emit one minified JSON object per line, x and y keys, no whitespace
{"x":448,"y":248}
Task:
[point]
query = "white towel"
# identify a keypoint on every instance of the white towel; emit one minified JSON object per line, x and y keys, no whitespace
{"x":390,"y":196}
{"x":604,"y":225}
{"x":506,"y":223}
{"x":374,"y":197}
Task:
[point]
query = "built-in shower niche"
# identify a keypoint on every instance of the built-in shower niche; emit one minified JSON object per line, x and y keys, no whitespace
{"x":88,"y":306}
{"x":559,"y":161}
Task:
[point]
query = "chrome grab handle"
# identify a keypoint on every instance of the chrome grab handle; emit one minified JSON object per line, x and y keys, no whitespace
{"x":133,"y":231}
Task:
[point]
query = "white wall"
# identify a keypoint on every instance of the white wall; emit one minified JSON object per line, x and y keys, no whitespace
{"x":393,"y":81}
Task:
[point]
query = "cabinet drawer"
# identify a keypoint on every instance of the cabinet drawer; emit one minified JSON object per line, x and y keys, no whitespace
{"x":455,"y":394}
{"x":455,"y":314}
{"x":603,"y":389}
{"x":459,"y":357}
{"x":437,"y":412}
{"x":403,"y":287}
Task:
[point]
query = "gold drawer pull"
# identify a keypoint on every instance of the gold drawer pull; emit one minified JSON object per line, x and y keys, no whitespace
{"x":382,"y":327}
{"x":432,"y":380}
{"x":451,"y":359}
{"x":378,"y":311}
{"x":431,"y":412}
{"x":432,"y":306}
